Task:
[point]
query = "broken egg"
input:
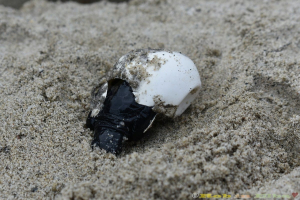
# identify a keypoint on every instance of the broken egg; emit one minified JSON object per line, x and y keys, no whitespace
{"x":142,"y":84}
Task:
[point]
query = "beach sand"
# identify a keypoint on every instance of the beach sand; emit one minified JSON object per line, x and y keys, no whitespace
{"x":240,"y":136}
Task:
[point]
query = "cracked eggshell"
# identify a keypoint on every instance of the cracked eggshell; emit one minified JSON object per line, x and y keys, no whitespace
{"x":168,"y":81}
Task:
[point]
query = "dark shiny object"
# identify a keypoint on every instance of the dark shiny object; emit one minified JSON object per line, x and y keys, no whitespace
{"x":120,"y":116}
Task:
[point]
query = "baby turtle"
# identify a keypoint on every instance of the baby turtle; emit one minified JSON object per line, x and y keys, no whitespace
{"x":142,"y":84}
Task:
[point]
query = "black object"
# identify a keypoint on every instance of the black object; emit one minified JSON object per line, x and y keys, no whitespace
{"x":120,"y":116}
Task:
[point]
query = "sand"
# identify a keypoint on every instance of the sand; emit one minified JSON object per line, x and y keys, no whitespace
{"x":240,"y":136}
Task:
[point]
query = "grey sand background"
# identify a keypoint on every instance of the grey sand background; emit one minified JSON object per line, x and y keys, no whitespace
{"x":241,"y":135}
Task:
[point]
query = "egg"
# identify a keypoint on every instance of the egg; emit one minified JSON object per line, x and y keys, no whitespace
{"x":167,"y":81}
{"x":141,"y":84}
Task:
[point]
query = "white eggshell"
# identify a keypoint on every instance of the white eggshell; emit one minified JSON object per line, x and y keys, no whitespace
{"x":166,"y":81}
{"x":174,"y":82}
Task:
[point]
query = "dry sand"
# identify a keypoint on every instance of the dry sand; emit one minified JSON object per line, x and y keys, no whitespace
{"x":241,"y":135}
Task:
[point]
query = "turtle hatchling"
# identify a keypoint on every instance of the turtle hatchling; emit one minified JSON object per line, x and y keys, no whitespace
{"x":141,"y":84}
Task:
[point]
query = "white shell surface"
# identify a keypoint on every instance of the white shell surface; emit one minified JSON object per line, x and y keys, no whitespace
{"x":167,"y":81}
{"x":170,"y":81}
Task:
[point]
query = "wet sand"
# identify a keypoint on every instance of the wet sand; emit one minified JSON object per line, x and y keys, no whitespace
{"x":240,"y":136}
